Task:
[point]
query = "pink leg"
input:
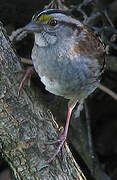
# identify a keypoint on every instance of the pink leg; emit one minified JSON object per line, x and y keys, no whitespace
{"x":27,"y":75}
{"x":63,"y":135}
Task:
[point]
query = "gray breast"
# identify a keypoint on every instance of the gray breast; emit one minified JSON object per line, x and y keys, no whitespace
{"x":63,"y":75}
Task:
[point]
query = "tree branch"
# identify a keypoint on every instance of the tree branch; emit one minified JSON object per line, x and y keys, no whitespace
{"x":26,"y":125}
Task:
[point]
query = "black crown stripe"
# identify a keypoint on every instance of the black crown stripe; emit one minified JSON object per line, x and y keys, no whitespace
{"x":47,"y":12}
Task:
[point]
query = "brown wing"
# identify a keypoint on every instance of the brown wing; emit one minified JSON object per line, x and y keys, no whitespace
{"x":89,"y":44}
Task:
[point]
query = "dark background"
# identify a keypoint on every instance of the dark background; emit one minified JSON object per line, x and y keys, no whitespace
{"x":102,"y":108}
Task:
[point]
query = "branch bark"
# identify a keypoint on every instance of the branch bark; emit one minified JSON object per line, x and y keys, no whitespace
{"x":26,"y":125}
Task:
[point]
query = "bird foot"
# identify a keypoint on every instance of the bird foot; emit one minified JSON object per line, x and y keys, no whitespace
{"x":27,"y":75}
{"x":61,"y":140}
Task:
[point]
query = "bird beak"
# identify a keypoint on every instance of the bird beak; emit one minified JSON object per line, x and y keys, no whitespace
{"x":33,"y":27}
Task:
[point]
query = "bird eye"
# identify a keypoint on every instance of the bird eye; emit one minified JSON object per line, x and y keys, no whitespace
{"x":53,"y":22}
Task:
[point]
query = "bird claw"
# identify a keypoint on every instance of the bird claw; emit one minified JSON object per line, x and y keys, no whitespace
{"x":61,"y":141}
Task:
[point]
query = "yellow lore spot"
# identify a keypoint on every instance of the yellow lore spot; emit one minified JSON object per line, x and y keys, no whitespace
{"x":43,"y":17}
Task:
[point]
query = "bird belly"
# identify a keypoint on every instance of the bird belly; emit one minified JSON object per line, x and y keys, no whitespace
{"x":65,"y":77}
{"x":69,"y":91}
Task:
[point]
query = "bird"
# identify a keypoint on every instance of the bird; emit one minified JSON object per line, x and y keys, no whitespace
{"x":68,"y":57}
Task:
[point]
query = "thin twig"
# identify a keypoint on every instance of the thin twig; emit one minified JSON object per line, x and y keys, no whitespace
{"x":92,"y":17}
{"x":18,"y":35}
{"x":107,"y":17}
{"x":108,"y":91}
{"x":26,"y":61}
{"x":90,"y":143}
{"x":56,"y":4}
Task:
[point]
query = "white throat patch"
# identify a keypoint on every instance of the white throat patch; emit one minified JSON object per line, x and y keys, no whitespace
{"x":44,"y":39}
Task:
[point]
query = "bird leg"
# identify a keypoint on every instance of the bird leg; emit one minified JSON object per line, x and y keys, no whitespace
{"x":28,"y":72}
{"x":63,"y":135}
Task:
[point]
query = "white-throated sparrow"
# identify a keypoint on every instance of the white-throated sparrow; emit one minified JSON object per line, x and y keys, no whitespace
{"x":67,"y":56}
